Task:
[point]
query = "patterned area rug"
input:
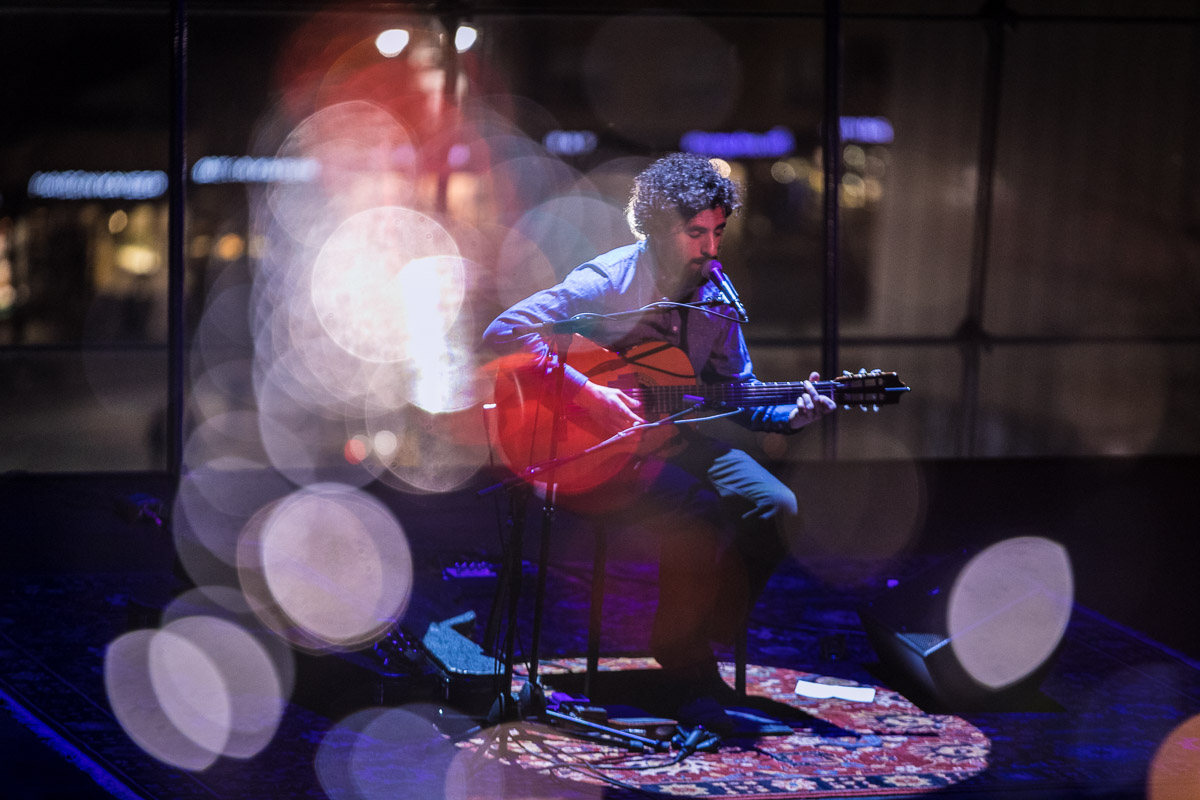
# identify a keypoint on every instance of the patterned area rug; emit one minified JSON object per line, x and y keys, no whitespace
{"x":838,"y":748}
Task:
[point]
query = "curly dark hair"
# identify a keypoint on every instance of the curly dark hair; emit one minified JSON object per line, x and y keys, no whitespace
{"x":677,"y":186}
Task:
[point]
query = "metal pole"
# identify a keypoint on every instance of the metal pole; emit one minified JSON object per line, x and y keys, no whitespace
{"x":831,"y":156}
{"x":450,"y":19}
{"x":971,"y":336}
{"x":177,"y":172}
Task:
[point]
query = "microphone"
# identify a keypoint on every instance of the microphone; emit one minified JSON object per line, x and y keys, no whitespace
{"x":717,"y":276}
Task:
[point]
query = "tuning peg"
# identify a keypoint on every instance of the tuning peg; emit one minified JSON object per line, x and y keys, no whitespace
{"x":847,"y":373}
{"x":875,"y":409}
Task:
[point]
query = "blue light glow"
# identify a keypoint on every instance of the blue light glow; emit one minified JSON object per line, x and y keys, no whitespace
{"x":869,"y":130}
{"x":775,"y":143}
{"x":251,"y":169}
{"x":570,"y":143}
{"x":81,"y":185}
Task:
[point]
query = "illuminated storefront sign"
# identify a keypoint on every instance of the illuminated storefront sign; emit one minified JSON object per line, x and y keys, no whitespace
{"x":779,"y":141}
{"x":250,"y":169}
{"x":775,"y":143}
{"x":868,"y":130}
{"x":79,"y":185}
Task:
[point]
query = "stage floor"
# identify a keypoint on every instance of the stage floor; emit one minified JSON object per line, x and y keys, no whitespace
{"x":1114,"y":716}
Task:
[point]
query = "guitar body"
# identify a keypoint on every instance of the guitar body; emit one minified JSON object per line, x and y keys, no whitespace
{"x":527,"y":400}
{"x":532,"y":427}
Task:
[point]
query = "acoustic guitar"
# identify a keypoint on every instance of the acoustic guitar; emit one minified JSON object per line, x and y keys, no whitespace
{"x":585,"y":455}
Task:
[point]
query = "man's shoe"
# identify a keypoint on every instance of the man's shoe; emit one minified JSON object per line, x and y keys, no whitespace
{"x":698,"y":696}
{"x":706,"y":712}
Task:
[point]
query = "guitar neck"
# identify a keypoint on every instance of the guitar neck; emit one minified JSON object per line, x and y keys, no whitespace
{"x":669,"y":398}
{"x":649,"y":373}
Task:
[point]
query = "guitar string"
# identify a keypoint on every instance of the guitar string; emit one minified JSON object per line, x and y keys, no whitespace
{"x":666,"y":397}
{"x":768,"y":387}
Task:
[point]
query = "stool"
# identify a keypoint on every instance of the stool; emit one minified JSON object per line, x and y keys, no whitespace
{"x":596,"y":617}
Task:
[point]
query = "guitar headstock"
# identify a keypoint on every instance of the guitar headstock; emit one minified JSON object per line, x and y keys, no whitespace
{"x":874,"y":389}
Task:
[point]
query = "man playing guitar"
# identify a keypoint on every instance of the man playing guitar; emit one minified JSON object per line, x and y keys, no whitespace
{"x":717,"y":512}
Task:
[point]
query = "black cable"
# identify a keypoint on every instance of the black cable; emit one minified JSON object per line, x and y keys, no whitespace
{"x":692,"y":306}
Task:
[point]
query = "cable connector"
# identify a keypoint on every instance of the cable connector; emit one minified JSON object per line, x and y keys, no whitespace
{"x":700,"y":739}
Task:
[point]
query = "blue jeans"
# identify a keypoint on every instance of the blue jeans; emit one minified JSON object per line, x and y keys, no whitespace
{"x":717,"y":514}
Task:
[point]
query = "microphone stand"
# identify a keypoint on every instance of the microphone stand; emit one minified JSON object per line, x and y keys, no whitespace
{"x":532,"y":701}
{"x":506,"y":708}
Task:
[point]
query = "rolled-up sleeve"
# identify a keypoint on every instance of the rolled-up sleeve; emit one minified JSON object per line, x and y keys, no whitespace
{"x":582,"y":291}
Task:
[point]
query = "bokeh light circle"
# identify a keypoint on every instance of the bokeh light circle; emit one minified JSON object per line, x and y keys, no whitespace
{"x":199,"y":688}
{"x":246,"y":675}
{"x":430,"y":453}
{"x":630,"y":91}
{"x":212,"y":505}
{"x":303,"y":441}
{"x":135,"y":701}
{"x":1009,"y":608}
{"x":379,"y":754}
{"x":229,"y":604}
{"x":570,"y":229}
{"x":1175,"y":768}
{"x":366,"y":158}
{"x":384,"y":281}
{"x":327,"y":567}
{"x":871,"y":511}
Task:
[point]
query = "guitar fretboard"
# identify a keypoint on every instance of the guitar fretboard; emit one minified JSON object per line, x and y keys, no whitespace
{"x":664,"y":399}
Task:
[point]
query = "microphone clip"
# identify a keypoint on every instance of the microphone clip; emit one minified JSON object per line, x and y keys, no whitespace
{"x":725,"y":287}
